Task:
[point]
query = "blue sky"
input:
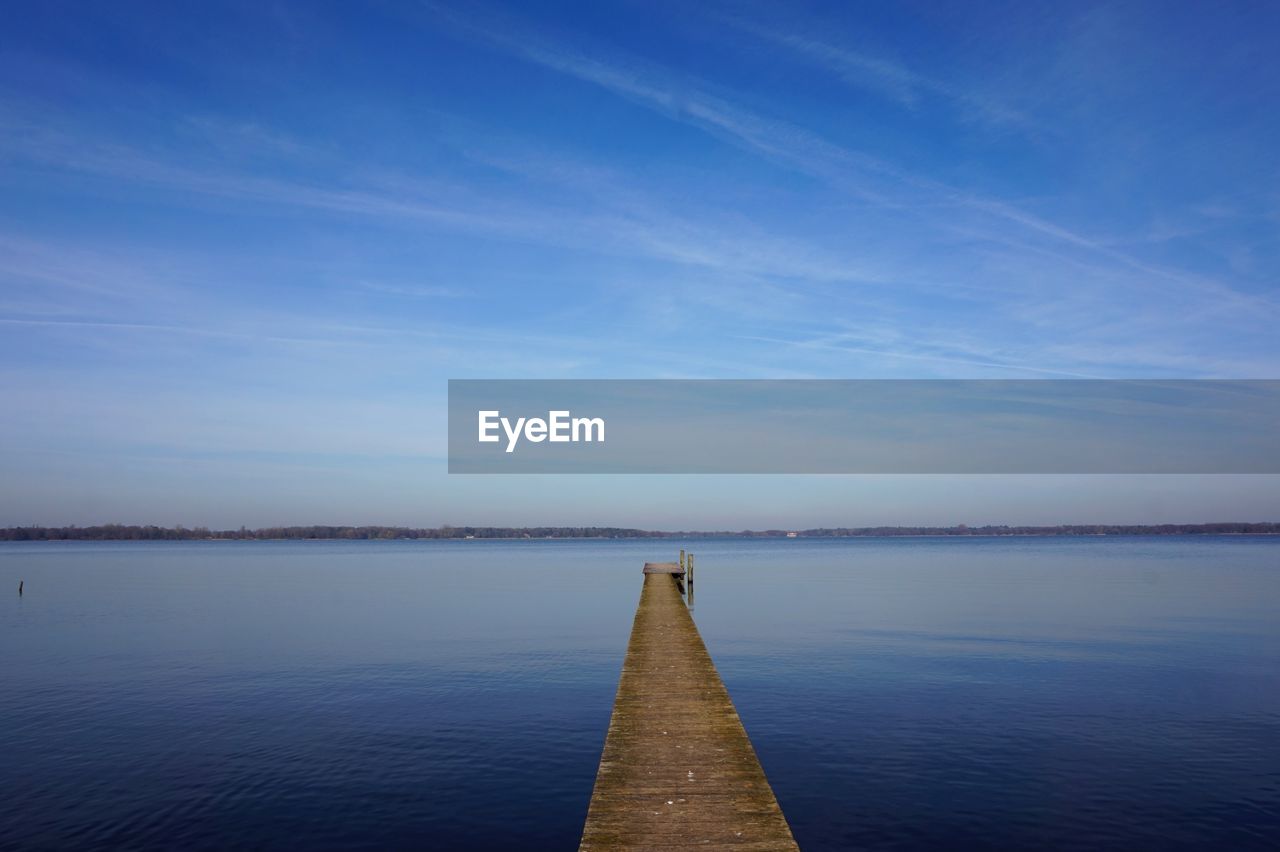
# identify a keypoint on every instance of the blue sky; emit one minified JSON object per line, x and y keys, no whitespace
{"x":244,"y":245}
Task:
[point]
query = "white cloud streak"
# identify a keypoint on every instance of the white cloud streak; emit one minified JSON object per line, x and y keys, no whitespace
{"x":869,"y":178}
{"x":891,"y":79}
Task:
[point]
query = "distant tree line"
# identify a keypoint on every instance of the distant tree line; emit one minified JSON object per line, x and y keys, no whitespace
{"x":1225,"y":528}
{"x":122,"y":532}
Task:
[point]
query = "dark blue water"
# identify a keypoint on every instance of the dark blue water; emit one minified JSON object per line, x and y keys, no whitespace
{"x":901,"y":693}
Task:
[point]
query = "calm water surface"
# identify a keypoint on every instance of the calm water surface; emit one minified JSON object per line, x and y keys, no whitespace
{"x":902,"y":693}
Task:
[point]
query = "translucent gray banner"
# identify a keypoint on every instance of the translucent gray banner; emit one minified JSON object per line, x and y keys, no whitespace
{"x":864,"y":426}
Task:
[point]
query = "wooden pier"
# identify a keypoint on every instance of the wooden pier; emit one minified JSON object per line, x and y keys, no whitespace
{"x":677,"y":768}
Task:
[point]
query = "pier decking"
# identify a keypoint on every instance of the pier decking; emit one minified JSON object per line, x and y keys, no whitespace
{"x":677,"y":768}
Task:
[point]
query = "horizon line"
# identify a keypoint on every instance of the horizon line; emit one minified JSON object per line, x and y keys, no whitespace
{"x":371,"y":532}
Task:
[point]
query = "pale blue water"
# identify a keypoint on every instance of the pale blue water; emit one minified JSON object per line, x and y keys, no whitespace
{"x":902,"y":693}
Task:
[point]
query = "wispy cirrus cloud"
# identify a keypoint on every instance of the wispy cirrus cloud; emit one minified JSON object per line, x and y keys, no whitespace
{"x":625,"y":223}
{"x":894,"y":80}
{"x":742,"y":266}
{"x":919,"y":350}
{"x":410,"y":291}
{"x":870,"y":178}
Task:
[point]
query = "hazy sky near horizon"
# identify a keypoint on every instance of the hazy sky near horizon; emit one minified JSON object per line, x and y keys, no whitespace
{"x":244,"y":245}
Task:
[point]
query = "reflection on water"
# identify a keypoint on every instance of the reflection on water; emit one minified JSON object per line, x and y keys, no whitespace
{"x":901,"y":693}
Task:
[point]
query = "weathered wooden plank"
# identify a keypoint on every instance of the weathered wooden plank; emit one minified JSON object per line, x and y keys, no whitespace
{"x":677,"y":767}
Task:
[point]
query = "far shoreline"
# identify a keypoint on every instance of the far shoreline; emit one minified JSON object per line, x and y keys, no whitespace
{"x":120,"y":532}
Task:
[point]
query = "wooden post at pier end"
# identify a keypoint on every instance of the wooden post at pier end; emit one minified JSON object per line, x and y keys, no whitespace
{"x":677,"y":767}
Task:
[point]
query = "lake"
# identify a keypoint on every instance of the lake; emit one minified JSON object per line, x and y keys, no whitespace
{"x":901,"y":693}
